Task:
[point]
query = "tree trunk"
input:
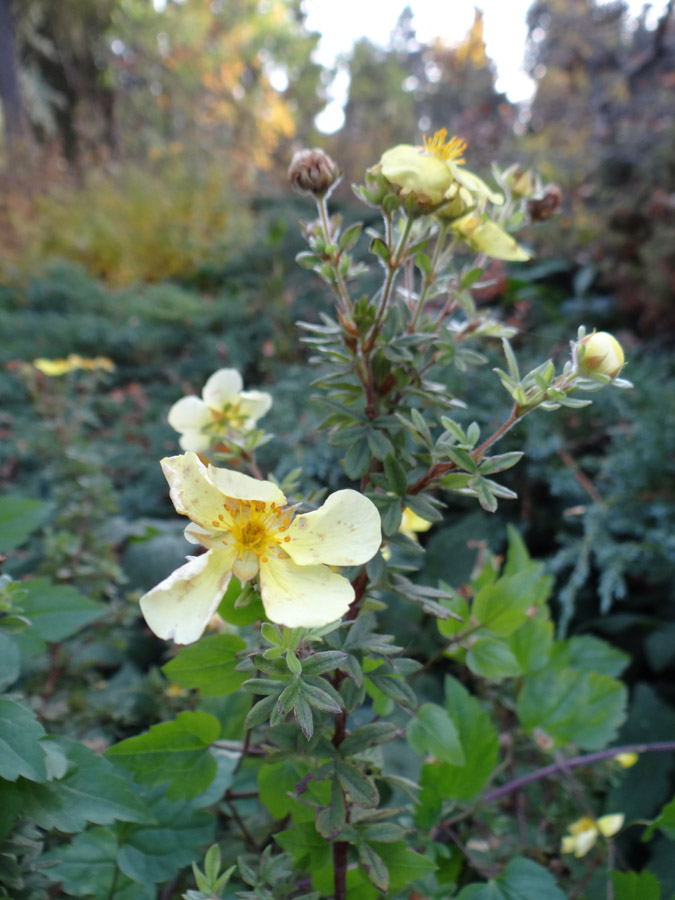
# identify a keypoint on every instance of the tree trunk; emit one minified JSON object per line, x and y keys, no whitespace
{"x":9,"y":79}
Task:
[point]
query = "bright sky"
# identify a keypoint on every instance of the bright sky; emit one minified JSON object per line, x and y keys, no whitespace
{"x":344,"y":22}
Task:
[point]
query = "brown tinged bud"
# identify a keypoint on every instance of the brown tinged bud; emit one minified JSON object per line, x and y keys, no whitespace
{"x":545,"y":206}
{"x":313,"y":172}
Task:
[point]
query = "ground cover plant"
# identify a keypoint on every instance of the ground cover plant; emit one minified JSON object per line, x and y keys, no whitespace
{"x":333,"y":718}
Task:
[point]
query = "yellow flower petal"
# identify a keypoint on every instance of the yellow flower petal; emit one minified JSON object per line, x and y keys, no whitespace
{"x":609,"y":825}
{"x":52,"y":366}
{"x":345,"y":531}
{"x":474,"y":184}
{"x":427,"y":177}
{"x":243,"y":487}
{"x":411,"y":523}
{"x":584,"y":841}
{"x":484,"y":236}
{"x":626,"y":760}
{"x":253,"y":405}
{"x":181,"y":606}
{"x":221,"y":388}
{"x":306,"y":596}
{"x":191,"y":490}
{"x":190,"y":416}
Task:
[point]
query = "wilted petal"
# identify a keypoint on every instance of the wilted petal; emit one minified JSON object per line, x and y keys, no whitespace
{"x":242,"y":487}
{"x":192,"y":492}
{"x":345,"y":531}
{"x":303,"y":596}
{"x":181,"y":606}
{"x":221,"y":388}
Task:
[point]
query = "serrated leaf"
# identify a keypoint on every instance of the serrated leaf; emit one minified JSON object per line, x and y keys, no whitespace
{"x":19,"y":518}
{"x":176,"y":752}
{"x":550,"y":700}
{"x":522,"y":879}
{"x":56,"y":611}
{"x":492,"y":658}
{"x":208,"y":665}
{"x":432,"y":731}
{"x":502,"y":606}
{"x":155,"y":852}
{"x":635,"y":885}
{"x":20,"y":752}
{"x":90,"y":791}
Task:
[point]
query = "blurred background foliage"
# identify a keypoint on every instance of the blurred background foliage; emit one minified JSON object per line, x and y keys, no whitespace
{"x":144,"y":216}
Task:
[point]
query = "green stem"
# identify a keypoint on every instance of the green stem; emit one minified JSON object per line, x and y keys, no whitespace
{"x":340,"y":286}
{"x":113,"y":884}
{"x":431,"y":277}
{"x":394,"y":265}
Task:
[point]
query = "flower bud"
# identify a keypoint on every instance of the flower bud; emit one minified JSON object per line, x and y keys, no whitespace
{"x":522,"y":183}
{"x":545,"y":206}
{"x":313,"y":172}
{"x":601,"y":353}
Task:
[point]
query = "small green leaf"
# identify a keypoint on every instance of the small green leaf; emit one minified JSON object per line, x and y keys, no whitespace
{"x":375,"y":867}
{"x":289,"y":696}
{"x":368,"y":736}
{"x":293,"y":663}
{"x":665,"y":821}
{"x":357,"y":459}
{"x":351,"y":236}
{"x":320,"y":699}
{"x":324,"y":661}
{"x":303,"y":716}
{"x":262,"y":710}
{"x":395,"y":474}
{"x":331,"y":821}
{"x":357,"y":785}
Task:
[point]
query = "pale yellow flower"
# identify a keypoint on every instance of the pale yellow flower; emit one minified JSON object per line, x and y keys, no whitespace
{"x":412,"y":524}
{"x":56,"y":367}
{"x":249,"y":532}
{"x":601,"y":353}
{"x":585,"y":832}
{"x":485,"y":236}
{"x":434,"y":171}
{"x":224,"y":408}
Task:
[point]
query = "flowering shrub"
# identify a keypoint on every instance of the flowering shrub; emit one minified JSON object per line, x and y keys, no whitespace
{"x":295,"y":732}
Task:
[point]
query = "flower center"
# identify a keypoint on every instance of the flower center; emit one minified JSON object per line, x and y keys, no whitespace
{"x":256,"y":527}
{"x":438,"y":147}
{"x":230,"y":415}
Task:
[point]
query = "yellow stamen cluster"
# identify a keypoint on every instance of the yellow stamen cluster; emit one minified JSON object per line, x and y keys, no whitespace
{"x":438,"y":147}
{"x":255,"y":526}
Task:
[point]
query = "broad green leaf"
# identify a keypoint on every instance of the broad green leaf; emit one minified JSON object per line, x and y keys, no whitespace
{"x":531,"y":644}
{"x":433,"y":731}
{"x":590,"y":654}
{"x":19,"y":518}
{"x":208,"y":665}
{"x":305,"y":845}
{"x":441,"y":781}
{"x":357,"y":785}
{"x":522,"y":879}
{"x":156,"y":851}
{"x":10,"y":659}
{"x":20,"y":750}
{"x":636,"y":886}
{"x":276,"y":781}
{"x":375,"y":867}
{"x":405,"y":865}
{"x":176,"y":752}
{"x":90,"y":791}
{"x":492,"y":658}
{"x":572,"y":705}
{"x":665,"y":821}
{"x":87,"y":867}
{"x":56,"y":611}
{"x":502,"y":607}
